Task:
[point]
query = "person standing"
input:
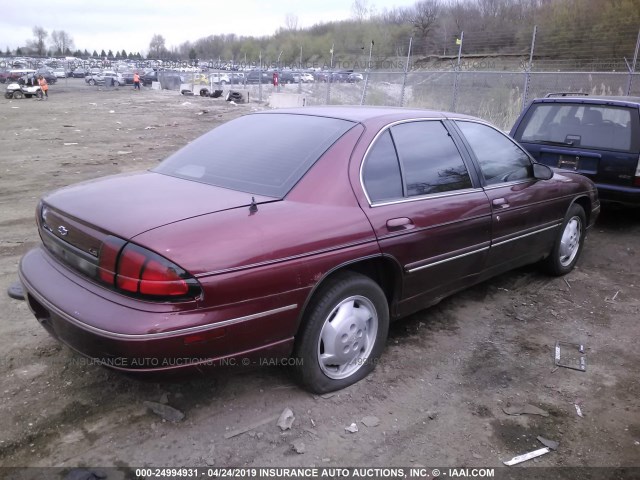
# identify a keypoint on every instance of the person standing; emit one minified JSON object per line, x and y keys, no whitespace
{"x":44,"y":86}
{"x":136,"y":81}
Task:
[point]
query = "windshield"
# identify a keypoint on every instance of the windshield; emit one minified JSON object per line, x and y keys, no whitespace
{"x":263,"y":154}
{"x":585,"y":125}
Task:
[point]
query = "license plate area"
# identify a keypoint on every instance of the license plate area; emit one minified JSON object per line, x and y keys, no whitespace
{"x":568,"y":162}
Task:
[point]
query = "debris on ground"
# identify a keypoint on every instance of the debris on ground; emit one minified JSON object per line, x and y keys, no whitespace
{"x":298,"y":446}
{"x":524,"y":409}
{"x":570,"y":355}
{"x":432,"y":415}
{"x":286,"y":419}
{"x":248,"y":428}
{"x":370,"y":421}
{"x":235,"y":97}
{"x":527,"y":456}
{"x":166,"y":412}
{"x":548,"y":443}
{"x":579,"y":410}
{"x":15,"y":291}
{"x":353,"y":428}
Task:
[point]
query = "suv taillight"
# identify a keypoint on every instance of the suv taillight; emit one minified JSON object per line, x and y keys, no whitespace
{"x":135,"y":270}
{"x":636,"y":177}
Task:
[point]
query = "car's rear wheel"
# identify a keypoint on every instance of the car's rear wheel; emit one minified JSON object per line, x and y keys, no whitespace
{"x":8,"y":95}
{"x":92,"y":82}
{"x":569,"y":242}
{"x":17,"y":95}
{"x":343,"y":333}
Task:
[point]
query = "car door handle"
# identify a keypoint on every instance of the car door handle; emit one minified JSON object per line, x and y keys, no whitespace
{"x":402,"y":223}
{"x":500,"y":203}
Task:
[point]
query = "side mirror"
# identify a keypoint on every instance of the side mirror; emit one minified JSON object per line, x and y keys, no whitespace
{"x":542,"y":172}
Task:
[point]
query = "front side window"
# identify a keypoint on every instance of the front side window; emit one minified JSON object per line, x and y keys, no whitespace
{"x":430,"y":160}
{"x":500,"y":159}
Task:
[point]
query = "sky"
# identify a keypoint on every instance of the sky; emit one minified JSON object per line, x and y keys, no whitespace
{"x":130,"y":24}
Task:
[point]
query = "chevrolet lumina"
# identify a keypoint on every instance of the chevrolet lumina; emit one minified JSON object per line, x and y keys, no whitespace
{"x":297,"y":233}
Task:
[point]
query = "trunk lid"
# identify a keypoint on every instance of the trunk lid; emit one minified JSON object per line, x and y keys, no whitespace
{"x":75,"y":220}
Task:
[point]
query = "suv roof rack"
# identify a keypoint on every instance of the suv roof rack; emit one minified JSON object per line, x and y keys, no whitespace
{"x":566,"y":94}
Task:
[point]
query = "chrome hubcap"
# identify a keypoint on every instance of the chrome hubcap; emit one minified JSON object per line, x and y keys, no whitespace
{"x":570,"y":242}
{"x":347,"y":337}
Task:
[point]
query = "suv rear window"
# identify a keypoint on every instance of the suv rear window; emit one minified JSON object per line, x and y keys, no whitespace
{"x":585,"y":125}
{"x":263,"y":154}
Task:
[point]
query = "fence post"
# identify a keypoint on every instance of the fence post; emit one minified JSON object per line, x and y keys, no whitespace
{"x":260,"y":82}
{"x":527,"y":69}
{"x":406,"y":71}
{"x":366,"y":80}
{"x":632,"y":70}
{"x":454,"y":101}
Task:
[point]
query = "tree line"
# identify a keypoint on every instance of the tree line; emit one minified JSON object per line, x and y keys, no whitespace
{"x":566,"y":29}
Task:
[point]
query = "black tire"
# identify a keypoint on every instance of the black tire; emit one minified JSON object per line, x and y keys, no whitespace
{"x":92,"y":82}
{"x":17,"y":95}
{"x":569,"y":243}
{"x":8,"y":95}
{"x":356,"y":337}
{"x":204,"y":92}
{"x":39,"y":94}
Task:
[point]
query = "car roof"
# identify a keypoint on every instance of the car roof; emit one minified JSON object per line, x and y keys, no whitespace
{"x":607,"y":99}
{"x":360,"y":114}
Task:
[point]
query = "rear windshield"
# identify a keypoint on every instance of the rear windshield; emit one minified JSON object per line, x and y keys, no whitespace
{"x":262,"y":154}
{"x":582,"y":125}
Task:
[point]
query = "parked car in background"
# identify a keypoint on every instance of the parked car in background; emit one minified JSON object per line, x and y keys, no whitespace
{"x":47,"y":74}
{"x":148,"y":78}
{"x":106,"y":78}
{"x":306,"y":77}
{"x":327,"y":224}
{"x":596,"y":136}
{"x":355,"y":77}
{"x":60,"y":73}
{"x":127,"y":78}
{"x":258,"y":76}
{"x":219,"y":78}
{"x":79,"y":73}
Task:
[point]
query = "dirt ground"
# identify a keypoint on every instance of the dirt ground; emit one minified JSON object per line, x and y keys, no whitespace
{"x":439,"y":391}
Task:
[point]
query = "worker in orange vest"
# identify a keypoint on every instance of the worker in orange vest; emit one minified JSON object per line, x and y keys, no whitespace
{"x":136,"y":81}
{"x":44,"y":86}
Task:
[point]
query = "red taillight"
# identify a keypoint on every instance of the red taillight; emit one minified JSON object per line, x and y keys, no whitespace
{"x":139,"y":271}
{"x":107,"y":259}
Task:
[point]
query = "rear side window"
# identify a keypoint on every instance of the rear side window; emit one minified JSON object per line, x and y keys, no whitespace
{"x":588,"y":125}
{"x":430,"y":160}
{"x":381,"y":173}
{"x":413,"y":159}
{"x":264,"y":154}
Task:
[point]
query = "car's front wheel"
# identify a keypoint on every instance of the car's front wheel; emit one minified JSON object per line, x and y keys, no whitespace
{"x":343,"y":333}
{"x":569,"y":242}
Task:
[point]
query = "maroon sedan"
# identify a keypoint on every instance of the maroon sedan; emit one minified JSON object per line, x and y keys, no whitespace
{"x":295,"y":234}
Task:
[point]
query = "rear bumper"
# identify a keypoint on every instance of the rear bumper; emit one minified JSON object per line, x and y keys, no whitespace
{"x":68,"y":311}
{"x":619,"y":194}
